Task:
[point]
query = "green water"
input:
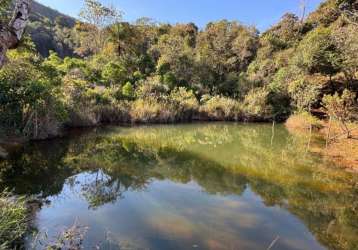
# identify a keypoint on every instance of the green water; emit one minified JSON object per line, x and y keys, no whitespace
{"x":196,"y":186}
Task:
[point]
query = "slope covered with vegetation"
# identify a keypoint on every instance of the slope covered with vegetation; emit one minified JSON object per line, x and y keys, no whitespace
{"x":51,"y":30}
{"x":152,"y":72}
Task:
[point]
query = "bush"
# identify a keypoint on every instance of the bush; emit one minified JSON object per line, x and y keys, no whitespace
{"x":78,"y":102}
{"x":13,"y":220}
{"x":114,"y":73}
{"x":256,"y":106}
{"x":152,"y":87}
{"x":304,"y":94}
{"x":303,"y":121}
{"x":151,"y":109}
{"x":128,"y":91}
{"x":220,"y":108}
{"x":31,"y":102}
{"x":116,"y":112}
{"x":90,"y":106}
{"x":343,"y":108}
{"x":184,"y":102}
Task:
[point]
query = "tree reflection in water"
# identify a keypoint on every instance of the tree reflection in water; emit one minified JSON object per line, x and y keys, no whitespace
{"x":223,"y":159}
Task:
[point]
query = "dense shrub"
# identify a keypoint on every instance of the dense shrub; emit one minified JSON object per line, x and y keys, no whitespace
{"x":31,"y":102}
{"x":343,"y":108}
{"x":256,"y":106}
{"x":220,"y":108}
{"x":128,"y":91}
{"x":152,"y":86}
{"x":303,"y":94}
{"x":185,"y":104}
{"x":151,"y":109}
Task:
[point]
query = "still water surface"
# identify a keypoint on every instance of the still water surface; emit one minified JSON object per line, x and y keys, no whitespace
{"x":196,"y":186}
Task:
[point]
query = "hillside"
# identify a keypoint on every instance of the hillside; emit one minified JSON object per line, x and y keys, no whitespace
{"x":51,"y":30}
{"x":40,"y":11}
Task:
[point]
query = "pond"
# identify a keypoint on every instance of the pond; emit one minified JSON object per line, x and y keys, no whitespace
{"x":193,"y":186}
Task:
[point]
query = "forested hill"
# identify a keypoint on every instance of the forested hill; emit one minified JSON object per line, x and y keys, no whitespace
{"x":151,"y":72}
{"x":51,"y":30}
{"x":40,"y":11}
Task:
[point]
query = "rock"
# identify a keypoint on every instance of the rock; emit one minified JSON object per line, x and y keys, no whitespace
{"x":3,"y":153}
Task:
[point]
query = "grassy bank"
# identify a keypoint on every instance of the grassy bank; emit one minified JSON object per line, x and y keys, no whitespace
{"x":16,"y":215}
{"x":13,"y":220}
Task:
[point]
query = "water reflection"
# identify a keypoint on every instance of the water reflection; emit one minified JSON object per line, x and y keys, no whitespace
{"x":218,"y":186}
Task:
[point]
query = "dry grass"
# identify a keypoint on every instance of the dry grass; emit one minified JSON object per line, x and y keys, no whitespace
{"x":340,"y":150}
{"x":343,"y":151}
{"x":303,"y":121}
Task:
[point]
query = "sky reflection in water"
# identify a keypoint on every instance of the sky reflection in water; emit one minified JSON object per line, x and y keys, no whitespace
{"x":204,"y":186}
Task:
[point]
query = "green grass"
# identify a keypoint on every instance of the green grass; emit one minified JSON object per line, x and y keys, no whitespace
{"x":13,"y":220}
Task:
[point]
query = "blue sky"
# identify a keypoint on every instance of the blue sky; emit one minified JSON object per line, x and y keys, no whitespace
{"x":261,"y":13}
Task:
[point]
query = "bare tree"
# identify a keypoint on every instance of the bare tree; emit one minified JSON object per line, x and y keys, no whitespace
{"x":303,"y":8}
{"x":11,"y":33}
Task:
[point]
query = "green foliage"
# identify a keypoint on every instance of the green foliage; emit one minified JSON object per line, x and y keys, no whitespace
{"x":341,"y":107}
{"x":152,"y":86}
{"x":184,"y":102}
{"x":114,"y":74}
{"x":128,"y":91}
{"x":169,"y":80}
{"x":256,"y":103}
{"x":180,"y":105}
{"x":97,"y":18}
{"x":317,"y":53}
{"x":13,"y":220}
{"x":220,"y":108}
{"x":31,"y":101}
{"x":5,"y":12}
{"x":303,"y":94}
{"x":326,"y":14}
{"x":346,"y":41}
{"x":225,"y":47}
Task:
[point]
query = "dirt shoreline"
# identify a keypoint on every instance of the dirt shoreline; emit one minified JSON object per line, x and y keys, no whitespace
{"x":343,"y":152}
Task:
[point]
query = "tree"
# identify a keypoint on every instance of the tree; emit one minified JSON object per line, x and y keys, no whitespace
{"x":177,"y":53}
{"x":225,"y":47}
{"x":304,"y":94}
{"x":97,"y":18}
{"x":317,"y":53}
{"x":114,"y":73}
{"x":10,"y":35}
{"x":346,"y":41}
{"x":341,"y":108}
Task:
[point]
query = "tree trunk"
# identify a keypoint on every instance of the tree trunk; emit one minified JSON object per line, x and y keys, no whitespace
{"x":11,"y":34}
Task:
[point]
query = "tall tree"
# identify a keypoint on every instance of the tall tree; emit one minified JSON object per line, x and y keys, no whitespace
{"x":10,"y":34}
{"x":97,"y":18}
